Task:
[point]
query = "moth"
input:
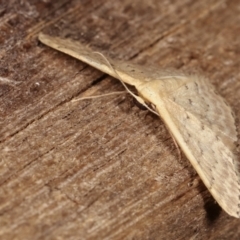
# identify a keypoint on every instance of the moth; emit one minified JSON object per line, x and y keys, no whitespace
{"x":198,"y":118}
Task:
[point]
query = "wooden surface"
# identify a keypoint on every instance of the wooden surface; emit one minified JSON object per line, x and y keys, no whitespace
{"x":104,"y":168}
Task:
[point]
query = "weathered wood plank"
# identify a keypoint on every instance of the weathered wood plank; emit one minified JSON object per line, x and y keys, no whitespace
{"x":103,"y":168}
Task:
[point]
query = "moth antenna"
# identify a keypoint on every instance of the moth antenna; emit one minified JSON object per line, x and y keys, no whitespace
{"x":139,"y":99}
{"x":7,"y":81}
{"x":97,"y":96}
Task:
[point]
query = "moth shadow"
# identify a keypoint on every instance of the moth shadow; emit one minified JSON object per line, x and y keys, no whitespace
{"x":212,"y":208}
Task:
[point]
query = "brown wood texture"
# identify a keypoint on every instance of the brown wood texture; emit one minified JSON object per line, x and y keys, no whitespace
{"x":104,"y":168}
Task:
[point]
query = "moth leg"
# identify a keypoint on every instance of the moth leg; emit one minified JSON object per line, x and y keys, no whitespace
{"x":177,"y":146}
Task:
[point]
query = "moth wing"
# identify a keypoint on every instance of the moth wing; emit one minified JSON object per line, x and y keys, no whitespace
{"x":132,"y":74}
{"x":83,"y":53}
{"x":204,"y":127}
{"x":78,"y":51}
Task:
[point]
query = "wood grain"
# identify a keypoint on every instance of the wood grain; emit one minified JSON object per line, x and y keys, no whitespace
{"x":103,"y":168}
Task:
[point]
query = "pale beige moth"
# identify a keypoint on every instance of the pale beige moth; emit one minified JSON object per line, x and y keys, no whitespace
{"x":198,"y":118}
